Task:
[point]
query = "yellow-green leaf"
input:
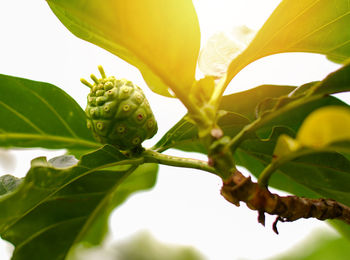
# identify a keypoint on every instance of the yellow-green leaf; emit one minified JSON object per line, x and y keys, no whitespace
{"x":325,"y":126}
{"x":300,"y":26}
{"x":160,"y":38}
{"x":285,"y":146}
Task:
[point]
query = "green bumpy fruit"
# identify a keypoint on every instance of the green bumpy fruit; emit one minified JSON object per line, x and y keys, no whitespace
{"x":118,"y":112}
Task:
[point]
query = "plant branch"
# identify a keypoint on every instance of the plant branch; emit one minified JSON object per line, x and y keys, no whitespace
{"x":155,"y":157}
{"x":290,"y":208}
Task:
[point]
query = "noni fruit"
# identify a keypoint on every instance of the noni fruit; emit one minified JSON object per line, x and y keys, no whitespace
{"x":118,"y":112}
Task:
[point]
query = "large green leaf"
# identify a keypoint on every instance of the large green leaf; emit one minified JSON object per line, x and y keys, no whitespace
{"x":273,"y":110}
{"x":37,"y":114}
{"x":246,"y":102}
{"x":160,"y":38}
{"x":241,"y":111}
{"x":300,"y":26}
{"x":56,"y":208}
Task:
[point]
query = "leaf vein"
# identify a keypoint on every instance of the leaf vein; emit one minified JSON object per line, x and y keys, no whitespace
{"x":317,"y":29}
{"x":45,"y":137}
{"x":337,"y":47}
{"x":21,"y":116}
{"x":286,"y":25}
{"x":66,"y":125}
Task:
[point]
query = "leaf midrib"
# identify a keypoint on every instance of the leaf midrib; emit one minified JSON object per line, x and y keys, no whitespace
{"x":47,"y":137}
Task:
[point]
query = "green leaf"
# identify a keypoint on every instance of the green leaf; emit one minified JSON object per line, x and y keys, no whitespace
{"x":246,"y":102}
{"x":336,"y":82}
{"x":300,"y":26}
{"x":56,"y":208}
{"x":37,"y":114}
{"x":285,"y":146}
{"x":241,"y":110}
{"x":293,"y":114}
{"x":160,"y":38}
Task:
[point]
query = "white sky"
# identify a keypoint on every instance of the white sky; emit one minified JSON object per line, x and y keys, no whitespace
{"x":185,"y":207}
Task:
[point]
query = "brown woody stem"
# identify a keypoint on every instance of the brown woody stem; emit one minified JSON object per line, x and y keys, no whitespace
{"x":290,"y":208}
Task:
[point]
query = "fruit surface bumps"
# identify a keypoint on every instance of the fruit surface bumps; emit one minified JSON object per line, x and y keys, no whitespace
{"x":118,"y":112}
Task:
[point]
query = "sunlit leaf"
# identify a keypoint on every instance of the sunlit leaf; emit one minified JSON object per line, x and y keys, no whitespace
{"x":326,"y":129}
{"x":202,"y":90}
{"x":325,"y":126}
{"x":38,"y":114}
{"x":301,"y":26}
{"x":56,"y":208}
{"x":285,"y":146}
{"x":221,"y":48}
{"x":160,"y":38}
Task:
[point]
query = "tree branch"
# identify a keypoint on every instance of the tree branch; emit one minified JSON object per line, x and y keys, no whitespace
{"x":290,"y":208}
